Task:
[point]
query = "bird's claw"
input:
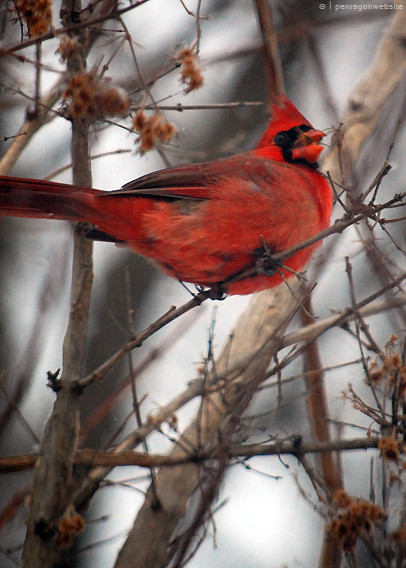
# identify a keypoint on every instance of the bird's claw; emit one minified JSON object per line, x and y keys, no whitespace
{"x":218,"y":292}
{"x":266,"y":264}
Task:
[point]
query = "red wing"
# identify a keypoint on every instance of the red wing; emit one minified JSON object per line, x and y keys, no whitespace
{"x":184,"y":182}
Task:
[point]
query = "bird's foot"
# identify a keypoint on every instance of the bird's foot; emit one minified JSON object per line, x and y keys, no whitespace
{"x":265,"y":263}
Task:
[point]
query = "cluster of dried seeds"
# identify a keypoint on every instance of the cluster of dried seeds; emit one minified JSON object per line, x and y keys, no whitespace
{"x":354,"y":517}
{"x":37,"y":14}
{"x":190,"y":74}
{"x":152,"y":129}
{"x":95,"y":98}
{"x":69,"y":527}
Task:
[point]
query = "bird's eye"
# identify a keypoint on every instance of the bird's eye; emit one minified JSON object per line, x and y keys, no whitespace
{"x":282,"y":138}
{"x":305,"y":127}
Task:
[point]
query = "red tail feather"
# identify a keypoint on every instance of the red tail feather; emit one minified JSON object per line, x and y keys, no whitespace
{"x":43,"y":199}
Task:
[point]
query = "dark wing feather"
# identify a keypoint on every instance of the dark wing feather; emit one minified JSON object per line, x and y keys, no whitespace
{"x":95,"y":234}
{"x":190,"y":181}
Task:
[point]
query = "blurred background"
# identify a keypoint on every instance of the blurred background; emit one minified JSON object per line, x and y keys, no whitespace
{"x":268,"y":514}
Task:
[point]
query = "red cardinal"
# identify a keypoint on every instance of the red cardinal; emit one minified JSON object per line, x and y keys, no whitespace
{"x":205,"y":223}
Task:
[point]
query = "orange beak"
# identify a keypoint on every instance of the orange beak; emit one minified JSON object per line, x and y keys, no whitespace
{"x":307,"y":145}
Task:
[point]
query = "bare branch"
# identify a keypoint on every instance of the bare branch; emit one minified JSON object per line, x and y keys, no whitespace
{"x":99,"y":458}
